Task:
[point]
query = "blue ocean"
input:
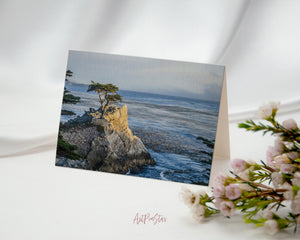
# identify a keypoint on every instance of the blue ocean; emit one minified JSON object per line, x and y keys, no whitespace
{"x":178,"y":132}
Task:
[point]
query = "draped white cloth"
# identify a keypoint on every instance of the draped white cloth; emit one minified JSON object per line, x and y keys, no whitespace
{"x":257,"y":41}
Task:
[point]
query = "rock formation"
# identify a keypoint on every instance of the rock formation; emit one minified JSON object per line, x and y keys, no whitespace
{"x":106,"y":144}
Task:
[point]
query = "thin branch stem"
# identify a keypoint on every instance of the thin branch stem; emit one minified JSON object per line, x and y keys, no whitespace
{"x":254,"y":183}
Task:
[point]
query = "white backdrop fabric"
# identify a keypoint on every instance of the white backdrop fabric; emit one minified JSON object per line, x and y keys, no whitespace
{"x":257,"y":41}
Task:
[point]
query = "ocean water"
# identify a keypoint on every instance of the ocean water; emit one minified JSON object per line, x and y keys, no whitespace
{"x":169,"y":127}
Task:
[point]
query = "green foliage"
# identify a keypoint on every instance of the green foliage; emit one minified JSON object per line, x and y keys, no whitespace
{"x":250,"y":125}
{"x":67,"y":112}
{"x":100,"y":128}
{"x":207,"y":201}
{"x":69,"y":73}
{"x":75,"y":123}
{"x":113,"y":98}
{"x":69,"y":98}
{"x":251,"y":204}
{"x":65,"y":149}
{"x":102,"y":88}
{"x":107,"y":95}
{"x":262,"y":197}
{"x":258,"y":222}
{"x":260,"y":190}
{"x":296,"y":188}
{"x":276,"y":128}
{"x":260,"y":176}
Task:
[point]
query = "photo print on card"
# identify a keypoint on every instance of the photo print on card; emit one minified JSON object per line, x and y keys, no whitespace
{"x":141,"y":117}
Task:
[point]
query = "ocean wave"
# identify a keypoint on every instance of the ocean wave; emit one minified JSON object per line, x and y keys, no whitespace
{"x":169,"y":128}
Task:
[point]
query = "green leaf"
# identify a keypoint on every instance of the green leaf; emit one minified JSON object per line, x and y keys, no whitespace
{"x":297,"y":160}
{"x":258,"y":222}
{"x":296,"y":188}
{"x":244,"y":125}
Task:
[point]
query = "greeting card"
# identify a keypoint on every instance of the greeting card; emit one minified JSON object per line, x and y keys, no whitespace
{"x":143,"y":117}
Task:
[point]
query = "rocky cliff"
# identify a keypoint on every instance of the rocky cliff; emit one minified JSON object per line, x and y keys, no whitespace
{"x":105,"y":144}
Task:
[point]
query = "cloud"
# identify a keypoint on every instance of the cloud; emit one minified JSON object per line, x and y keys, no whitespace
{"x":185,"y":79}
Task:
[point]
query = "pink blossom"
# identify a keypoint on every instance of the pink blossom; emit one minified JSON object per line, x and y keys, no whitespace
{"x":267,"y":110}
{"x":187,"y":196}
{"x":198,"y":212}
{"x":219,"y":180}
{"x":295,"y":206}
{"x":278,"y":148}
{"x":298,"y":220}
{"x":245,"y":186}
{"x":289,"y":124}
{"x":296,"y":179}
{"x":289,"y":194}
{"x":218,"y":202}
{"x":288,"y":145}
{"x":190,"y":198}
{"x":267,"y":214}
{"x":274,"y":105}
{"x":245,"y":174}
{"x":270,"y":157}
{"x":239,"y":165}
{"x":277,"y":179}
{"x":281,"y":159}
{"x":227,"y":208}
{"x":297,"y":175}
{"x":232,"y":191}
{"x":287,"y":168}
{"x":271,"y":227}
{"x":292,"y":155}
{"x":218,"y":191}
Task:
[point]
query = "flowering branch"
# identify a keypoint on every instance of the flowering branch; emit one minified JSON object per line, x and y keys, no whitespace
{"x":258,"y":190}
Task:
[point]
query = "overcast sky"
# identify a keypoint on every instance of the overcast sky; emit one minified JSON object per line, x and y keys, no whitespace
{"x":193,"y":80}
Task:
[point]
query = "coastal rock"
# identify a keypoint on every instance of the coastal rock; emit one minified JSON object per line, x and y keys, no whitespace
{"x":107,"y":144}
{"x":65,"y":162}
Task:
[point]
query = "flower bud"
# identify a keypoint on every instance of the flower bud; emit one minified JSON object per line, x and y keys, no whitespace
{"x":298,"y":220}
{"x":267,"y":110}
{"x":287,"y":168}
{"x":267,"y":214}
{"x":278,"y":147}
{"x":190,"y":198}
{"x":296,"y":179}
{"x":218,"y":202}
{"x":198,"y":212}
{"x":239,"y":165}
{"x":232,"y":191}
{"x":292,"y":155}
{"x":277,"y":179}
{"x":290,"y":124}
{"x":270,"y":157}
{"x":227,"y":208}
{"x":271,"y":227}
{"x":219,"y":180}
{"x":281,"y":159}
{"x":295,"y":206}
{"x":218,"y":191}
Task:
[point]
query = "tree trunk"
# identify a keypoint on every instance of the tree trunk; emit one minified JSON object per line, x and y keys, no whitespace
{"x":101,"y":102}
{"x":104,"y":109}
